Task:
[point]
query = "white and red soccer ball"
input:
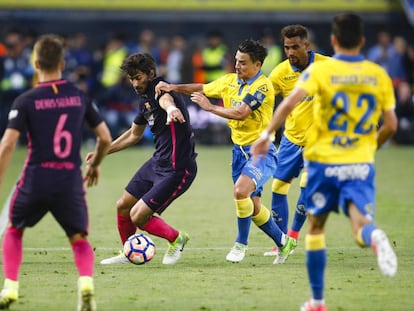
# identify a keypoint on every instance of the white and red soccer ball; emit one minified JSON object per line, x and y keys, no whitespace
{"x":139,"y":249}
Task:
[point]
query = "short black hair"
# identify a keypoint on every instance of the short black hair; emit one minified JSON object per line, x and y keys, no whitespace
{"x":292,"y":31}
{"x":348,"y":28}
{"x":255,"y":49}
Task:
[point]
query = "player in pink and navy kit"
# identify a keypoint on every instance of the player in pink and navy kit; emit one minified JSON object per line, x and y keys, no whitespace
{"x":52,"y":114}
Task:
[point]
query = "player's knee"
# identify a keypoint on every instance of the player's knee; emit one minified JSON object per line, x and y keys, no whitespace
{"x":134,"y":214}
{"x":240,"y":192}
{"x":140,"y":214}
{"x":122,"y":207}
{"x":280,"y":186}
{"x":77,"y":237}
{"x":139,"y":223}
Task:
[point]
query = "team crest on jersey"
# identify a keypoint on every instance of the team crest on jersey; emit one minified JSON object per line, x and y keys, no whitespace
{"x":263,"y":88}
{"x":151,"y":120}
{"x":147,"y":106}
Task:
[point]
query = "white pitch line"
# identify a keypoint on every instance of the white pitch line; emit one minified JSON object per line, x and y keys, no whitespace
{"x":59,"y":249}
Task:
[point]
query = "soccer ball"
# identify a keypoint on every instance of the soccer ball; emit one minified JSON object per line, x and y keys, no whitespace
{"x":139,"y":249}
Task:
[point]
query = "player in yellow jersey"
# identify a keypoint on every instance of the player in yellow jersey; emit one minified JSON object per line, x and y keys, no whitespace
{"x":352,"y":95}
{"x":248,"y":99}
{"x":289,"y":155}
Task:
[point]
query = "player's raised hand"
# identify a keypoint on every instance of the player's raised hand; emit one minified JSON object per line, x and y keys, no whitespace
{"x":201,"y":100}
{"x":174,"y":114}
{"x":91,"y":176}
{"x":92,"y":172}
{"x":89,"y":157}
{"x":259,"y":148}
{"x":161,"y":87}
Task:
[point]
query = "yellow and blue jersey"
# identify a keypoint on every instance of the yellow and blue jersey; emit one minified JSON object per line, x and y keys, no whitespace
{"x":257,"y":93}
{"x":283,"y":78}
{"x":351,"y":95}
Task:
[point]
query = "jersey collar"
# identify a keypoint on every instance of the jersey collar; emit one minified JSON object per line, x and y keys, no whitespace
{"x":347,"y":58}
{"x":49,"y":83}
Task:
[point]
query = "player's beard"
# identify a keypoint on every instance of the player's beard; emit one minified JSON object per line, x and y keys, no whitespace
{"x":294,"y":61}
{"x":142,"y":88}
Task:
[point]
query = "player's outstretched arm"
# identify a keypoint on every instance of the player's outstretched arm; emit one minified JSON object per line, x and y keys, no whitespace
{"x":234,"y":113}
{"x":128,"y":138}
{"x":187,"y":89}
{"x":261,"y":146}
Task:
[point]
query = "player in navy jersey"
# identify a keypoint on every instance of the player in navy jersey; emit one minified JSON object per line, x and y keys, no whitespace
{"x":52,"y":113}
{"x":168,"y":173}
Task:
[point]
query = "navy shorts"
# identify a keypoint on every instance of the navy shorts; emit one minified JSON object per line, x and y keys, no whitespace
{"x":68,"y":208}
{"x":159,"y":186}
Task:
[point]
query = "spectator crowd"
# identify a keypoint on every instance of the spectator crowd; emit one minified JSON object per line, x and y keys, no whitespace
{"x":179,"y":60}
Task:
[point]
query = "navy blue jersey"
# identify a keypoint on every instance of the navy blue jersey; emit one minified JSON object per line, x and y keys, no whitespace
{"x":174,"y":143}
{"x":53,"y":114}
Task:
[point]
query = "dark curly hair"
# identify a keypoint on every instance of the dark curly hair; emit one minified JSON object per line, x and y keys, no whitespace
{"x":143,"y":62}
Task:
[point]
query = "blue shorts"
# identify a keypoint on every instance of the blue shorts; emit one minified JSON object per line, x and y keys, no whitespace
{"x":289,"y":160}
{"x":259,"y":172}
{"x":331,"y":186}
{"x":68,"y":208}
{"x":158,"y":186}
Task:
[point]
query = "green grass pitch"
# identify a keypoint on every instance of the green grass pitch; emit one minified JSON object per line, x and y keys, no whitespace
{"x":203,"y":280}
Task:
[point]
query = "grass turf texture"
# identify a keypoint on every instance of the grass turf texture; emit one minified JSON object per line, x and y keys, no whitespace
{"x":203,"y":280}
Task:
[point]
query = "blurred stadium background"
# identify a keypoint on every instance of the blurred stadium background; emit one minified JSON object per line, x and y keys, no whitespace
{"x":178,"y":32}
{"x":237,"y":19}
